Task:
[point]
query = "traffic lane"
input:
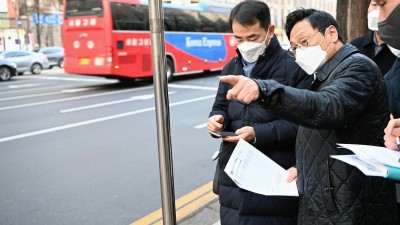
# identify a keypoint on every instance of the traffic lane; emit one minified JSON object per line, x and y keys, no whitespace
{"x":49,"y":82}
{"x":18,"y":115}
{"x":178,"y":164}
{"x":106,"y":167}
{"x":76,"y":111}
{"x":80,"y":175}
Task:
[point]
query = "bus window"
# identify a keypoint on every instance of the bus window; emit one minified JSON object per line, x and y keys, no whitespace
{"x":224,"y":26}
{"x":209,"y":22}
{"x":187,"y":21}
{"x":129,"y":17}
{"x":84,"y":8}
{"x":169,"y":19}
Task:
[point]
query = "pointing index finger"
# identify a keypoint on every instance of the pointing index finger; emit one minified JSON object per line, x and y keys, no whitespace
{"x":231,"y":79}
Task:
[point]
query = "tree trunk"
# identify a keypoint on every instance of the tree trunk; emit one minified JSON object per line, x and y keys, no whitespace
{"x":352,"y":18}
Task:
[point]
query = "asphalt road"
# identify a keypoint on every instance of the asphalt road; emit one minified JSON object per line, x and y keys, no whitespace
{"x":83,"y":150}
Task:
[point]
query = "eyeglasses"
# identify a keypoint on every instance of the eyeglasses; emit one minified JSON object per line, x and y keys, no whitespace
{"x":302,"y":44}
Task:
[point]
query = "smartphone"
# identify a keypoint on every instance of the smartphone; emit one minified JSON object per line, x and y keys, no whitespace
{"x":222,"y":134}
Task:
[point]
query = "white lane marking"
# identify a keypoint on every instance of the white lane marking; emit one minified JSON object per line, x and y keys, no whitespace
{"x":75,"y":90}
{"x":29,"y":96}
{"x":22,"y":85}
{"x":37,"y":89}
{"x":200,"y":126}
{"x":193,"y":87}
{"x":134,"y":98}
{"x":101,"y":119}
{"x":48,"y":93}
{"x":69,"y":99}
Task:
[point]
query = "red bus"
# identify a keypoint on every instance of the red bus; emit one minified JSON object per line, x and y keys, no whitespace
{"x":111,"y":38}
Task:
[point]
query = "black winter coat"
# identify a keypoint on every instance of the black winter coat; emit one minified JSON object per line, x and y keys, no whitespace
{"x":274,"y":137}
{"x":384,"y":59}
{"x":392,"y":79}
{"x":346,"y":104}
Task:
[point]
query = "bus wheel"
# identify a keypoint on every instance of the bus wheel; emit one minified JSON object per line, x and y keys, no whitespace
{"x":170,"y":70}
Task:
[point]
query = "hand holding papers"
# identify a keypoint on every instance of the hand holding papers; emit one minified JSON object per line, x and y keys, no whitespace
{"x":255,"y":172}
{"x":373,"y":160}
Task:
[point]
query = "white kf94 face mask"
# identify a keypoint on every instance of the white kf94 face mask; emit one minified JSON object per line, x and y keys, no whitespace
{"x":373,"y":20}
{"x":251,"y":50}
{"x":311,"y":58}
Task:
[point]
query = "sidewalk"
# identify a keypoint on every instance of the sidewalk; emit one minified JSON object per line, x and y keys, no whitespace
{"x":207,"y":215}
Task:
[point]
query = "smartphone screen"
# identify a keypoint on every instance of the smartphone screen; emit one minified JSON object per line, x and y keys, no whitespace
{"x":222,"y":134}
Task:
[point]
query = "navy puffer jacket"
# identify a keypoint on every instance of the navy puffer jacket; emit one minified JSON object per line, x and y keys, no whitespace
{"x":274,"y":137}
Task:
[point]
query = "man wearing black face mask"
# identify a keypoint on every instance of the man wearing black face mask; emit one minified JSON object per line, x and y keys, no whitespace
{"x":389,"y":30}
{"x":372,"y":45}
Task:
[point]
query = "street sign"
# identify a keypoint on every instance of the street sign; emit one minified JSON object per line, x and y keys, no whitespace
{"x":48,"y":19}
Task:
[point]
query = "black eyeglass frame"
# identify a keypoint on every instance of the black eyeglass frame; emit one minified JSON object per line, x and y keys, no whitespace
{"x":292,"y":50}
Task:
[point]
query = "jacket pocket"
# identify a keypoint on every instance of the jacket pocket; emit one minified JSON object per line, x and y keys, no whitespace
{"x":326,"y":189}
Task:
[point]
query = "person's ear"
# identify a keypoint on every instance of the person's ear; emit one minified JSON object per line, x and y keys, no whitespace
{"x":332,"y":31}
{"x":271,"y":30}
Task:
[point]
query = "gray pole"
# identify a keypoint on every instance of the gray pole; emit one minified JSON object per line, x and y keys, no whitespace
{"x":156,"y":18}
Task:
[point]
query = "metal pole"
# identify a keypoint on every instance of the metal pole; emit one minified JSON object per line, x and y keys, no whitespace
{"x":156,"y":18}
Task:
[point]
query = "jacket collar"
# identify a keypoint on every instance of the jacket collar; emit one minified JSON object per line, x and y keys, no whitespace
{"x":370,"y":40}
{"x":339,"y":56}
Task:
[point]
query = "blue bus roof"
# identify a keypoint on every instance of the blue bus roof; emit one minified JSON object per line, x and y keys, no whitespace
{"x":203,"y":5}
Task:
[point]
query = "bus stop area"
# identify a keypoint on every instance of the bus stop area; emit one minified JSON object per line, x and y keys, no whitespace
{"x":206,"y":215}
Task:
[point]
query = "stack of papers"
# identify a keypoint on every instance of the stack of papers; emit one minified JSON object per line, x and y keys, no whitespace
{"x":255,"y":172}
{"x":373,"y":160}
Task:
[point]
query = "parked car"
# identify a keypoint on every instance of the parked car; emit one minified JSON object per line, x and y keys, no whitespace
{"x":55,"y":55}
{"x":7,"y":69}
{"x":26,"y":60}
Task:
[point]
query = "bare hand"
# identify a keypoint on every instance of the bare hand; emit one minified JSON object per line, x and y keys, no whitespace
{"x":246,"y":133}
{"x":392,"y":131}
{"x":293,"y":175}
{"x":244,"y":89}
{"x":215,"y":123}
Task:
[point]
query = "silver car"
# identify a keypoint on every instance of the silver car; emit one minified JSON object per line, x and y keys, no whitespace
{"x":26,"y":60}
{"x":7,"y":70}
{"x":55,"y":55}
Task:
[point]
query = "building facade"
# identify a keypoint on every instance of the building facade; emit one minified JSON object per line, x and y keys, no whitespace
{"x":22,"y":28}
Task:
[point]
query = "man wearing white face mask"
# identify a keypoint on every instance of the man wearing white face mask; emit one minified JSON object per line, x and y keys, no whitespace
{"x":346,"y":104}
{"x":371,"y":44}
{"x":260,"y":56}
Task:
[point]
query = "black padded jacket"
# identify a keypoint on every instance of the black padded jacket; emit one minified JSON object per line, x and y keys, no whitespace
{"x":347,"y":103}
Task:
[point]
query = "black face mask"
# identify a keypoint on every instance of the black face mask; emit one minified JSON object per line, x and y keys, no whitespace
{"x":389,"y":29}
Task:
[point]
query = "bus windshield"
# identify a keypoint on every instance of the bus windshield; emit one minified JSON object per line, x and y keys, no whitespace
{"x":84,"y":8}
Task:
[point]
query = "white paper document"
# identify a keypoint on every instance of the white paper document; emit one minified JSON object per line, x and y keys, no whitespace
{"x":255,"y":172}
{"x":375,"y":154}
{"x":369,"y":168}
